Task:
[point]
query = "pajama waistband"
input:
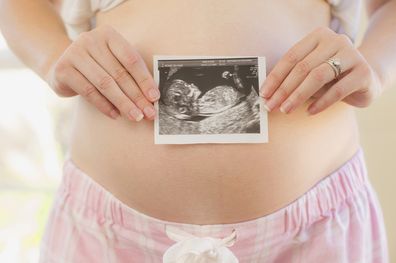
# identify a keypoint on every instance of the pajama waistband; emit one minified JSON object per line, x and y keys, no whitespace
{"x":80,"y":193}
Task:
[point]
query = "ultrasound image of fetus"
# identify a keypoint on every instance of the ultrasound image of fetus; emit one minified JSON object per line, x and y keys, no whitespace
{"x":185,"y":101}
{"x":207,"y":102}
{"x":180,"y":99}
{"x":218,"y":99}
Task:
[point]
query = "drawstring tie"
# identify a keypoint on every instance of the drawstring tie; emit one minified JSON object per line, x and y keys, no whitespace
{"x":193,"y":249}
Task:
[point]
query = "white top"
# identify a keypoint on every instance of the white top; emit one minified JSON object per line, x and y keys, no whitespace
{"x":346,"y":16}
{"x":78,"y":15}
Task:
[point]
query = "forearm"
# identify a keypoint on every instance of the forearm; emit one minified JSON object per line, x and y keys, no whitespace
{"x":34,"y":31}
{"x":379,"y":43}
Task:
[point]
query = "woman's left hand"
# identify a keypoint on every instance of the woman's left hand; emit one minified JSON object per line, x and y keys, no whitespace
{"x":303,"y":72}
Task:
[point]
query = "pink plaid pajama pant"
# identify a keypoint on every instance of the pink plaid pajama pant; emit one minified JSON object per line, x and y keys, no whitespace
{"x":338,"y":220}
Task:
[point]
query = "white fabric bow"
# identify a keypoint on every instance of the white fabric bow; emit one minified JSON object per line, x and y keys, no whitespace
{"x":193,"y":249}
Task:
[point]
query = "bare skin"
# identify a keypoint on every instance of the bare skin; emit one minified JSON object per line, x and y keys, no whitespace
{"x":208,"y":184}
{"x":211,"y":183}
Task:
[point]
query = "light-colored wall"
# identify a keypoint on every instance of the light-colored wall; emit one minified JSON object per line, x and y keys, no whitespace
{"x":378,"y":137}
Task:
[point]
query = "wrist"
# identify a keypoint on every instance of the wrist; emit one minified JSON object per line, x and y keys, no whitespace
{"x":378,"y":72}
{"x":376,"y":65}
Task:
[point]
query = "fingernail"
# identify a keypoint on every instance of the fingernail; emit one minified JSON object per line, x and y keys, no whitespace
{"x":264,"y":88}
{"x":270,"y":104}
{"x":265,"y":105}
{"x":149,"y":111}
{"x":114,"y":114}
{"x":136,"y":114}
{"x":312,"y":110}
{"x":285,"y":107}
{"x":263,"y":92}
{"x":154,"y":94}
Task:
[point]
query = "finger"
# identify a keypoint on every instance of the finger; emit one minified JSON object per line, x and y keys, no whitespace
{"x":299,"y":73}
{"x":323,"y":90}
{"x":317,"y":78}
{"x":106,"y":85}
{"x":295,"y":54}
{"x":113,"y":67}
{"x":134,"y":63}
{"x":337,"y":92}
{"x":78,"y":83}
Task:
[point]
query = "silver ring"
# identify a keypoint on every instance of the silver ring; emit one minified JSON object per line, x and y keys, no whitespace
{"x":335,"y":64}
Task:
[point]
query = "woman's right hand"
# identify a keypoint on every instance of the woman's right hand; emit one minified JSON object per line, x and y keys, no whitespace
{"x":107,"y":71}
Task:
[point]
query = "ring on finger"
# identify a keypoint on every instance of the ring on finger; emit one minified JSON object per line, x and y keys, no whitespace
{"x":335,"y":64}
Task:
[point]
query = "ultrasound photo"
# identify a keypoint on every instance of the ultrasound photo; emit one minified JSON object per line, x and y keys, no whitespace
{"x":209,"y":100}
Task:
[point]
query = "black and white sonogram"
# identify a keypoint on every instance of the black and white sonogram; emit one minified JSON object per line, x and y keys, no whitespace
{"x":210,"y":100}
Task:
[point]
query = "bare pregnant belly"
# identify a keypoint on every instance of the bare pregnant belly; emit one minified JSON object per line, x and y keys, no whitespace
{"x":213,"y":183}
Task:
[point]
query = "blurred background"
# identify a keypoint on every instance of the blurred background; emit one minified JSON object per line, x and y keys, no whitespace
{"x":35,"y":123}
{"x":33,"y":134}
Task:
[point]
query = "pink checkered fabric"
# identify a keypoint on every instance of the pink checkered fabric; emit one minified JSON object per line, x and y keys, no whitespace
{"x":337,"y":220}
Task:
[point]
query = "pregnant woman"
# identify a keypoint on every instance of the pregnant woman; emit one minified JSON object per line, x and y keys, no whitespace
{"x":302,"y":197}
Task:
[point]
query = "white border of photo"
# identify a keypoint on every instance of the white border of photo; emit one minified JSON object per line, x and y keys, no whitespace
{"x":261,"y":137}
